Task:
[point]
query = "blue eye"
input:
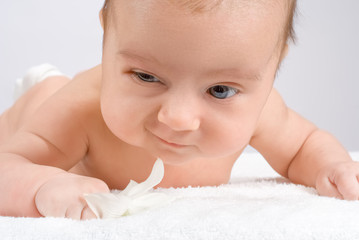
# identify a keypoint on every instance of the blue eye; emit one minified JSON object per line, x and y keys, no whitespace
{"x":222,"y":91}
{"x":146,"y":77}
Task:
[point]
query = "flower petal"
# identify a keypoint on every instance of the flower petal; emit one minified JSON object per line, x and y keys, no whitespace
{"x":134,"y":198}
{"x":154,"y":179}
{"x":107,"y":205}
{"x":130,"y":185}
{"x":148,"y":201}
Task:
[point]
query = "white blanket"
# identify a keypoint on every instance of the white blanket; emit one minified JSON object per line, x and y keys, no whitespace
{"x":256,"y":204}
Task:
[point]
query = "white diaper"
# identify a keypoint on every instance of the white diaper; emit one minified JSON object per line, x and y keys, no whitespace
{"x":34,"y":75}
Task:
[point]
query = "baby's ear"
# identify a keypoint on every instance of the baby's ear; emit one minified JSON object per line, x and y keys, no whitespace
{"x":101,"y":18}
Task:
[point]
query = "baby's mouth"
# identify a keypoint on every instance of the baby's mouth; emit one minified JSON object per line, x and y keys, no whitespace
{"x":171,"y":143}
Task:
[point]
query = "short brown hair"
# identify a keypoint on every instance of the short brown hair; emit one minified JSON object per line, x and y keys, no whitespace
{"x":197,"y":6}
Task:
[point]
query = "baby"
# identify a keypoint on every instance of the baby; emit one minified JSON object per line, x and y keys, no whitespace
{"x":188,"y":81}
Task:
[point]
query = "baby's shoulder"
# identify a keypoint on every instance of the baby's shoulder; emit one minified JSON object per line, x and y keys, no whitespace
{"x":273,"y":116}
{"x":81,"y":96}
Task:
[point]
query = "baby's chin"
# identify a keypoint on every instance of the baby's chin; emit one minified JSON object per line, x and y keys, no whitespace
{"x":178,"y":159}
{"x":154,"y":151}
{"x":172,"y":155}
{"x":175,"y":158}
{"x":175,"y":161}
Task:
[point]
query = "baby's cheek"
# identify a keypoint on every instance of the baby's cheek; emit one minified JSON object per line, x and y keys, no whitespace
{"x":122,"y":128}
{"x":114,"y":120}
{"x":224,"y":143}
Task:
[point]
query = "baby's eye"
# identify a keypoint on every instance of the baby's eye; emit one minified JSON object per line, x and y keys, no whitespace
{"x":146,"y":77}
{"x":222,"y":91}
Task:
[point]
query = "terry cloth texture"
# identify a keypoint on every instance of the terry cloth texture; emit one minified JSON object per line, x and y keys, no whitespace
{"x":256,"y":204}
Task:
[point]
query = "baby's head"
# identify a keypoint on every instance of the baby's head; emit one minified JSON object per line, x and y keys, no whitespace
{"x":189,"y":78}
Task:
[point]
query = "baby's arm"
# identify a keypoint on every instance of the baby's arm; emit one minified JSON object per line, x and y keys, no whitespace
{"x":33,"y":164}
{"x":297,"y":149}
{"x":19,"y":181}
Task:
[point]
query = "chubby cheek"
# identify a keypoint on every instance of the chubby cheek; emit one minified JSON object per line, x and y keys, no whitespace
{"x":228,"y":133}
{"x":226,"y":141}
{"x":123,"y":120}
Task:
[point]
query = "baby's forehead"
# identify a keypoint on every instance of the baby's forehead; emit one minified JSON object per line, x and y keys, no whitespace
{"x":244,"y":12}
{"x":202,"y":6}
{"x":264,"y":9}
{"x":208,"y":5}
{"x":224,"y":26}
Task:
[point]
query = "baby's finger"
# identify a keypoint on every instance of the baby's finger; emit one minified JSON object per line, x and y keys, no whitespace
{"x":348,"y":186}
{"x":87,"y":213}
{"x":47,"y":210}
{"x":74,"y":211}
{"x":326,"y":188}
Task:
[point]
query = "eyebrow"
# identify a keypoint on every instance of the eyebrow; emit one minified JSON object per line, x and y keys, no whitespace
{"x":233,"y":72}
{"x":137,"y":56}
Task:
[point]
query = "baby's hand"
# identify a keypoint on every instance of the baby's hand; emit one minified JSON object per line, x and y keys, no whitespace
{"x":339,"y":180}
{"x":62,"y":196}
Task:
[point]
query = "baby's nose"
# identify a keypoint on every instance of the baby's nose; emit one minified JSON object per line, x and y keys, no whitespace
{"x":180,"y":114}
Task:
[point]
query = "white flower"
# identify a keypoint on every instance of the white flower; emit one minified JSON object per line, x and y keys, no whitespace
{"x":136,"y":197}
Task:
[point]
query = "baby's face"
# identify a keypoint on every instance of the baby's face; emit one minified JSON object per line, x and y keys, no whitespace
{"x":188,"y":85}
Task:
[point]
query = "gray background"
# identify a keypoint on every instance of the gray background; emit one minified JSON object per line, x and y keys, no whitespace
{"x":319,"y":79}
